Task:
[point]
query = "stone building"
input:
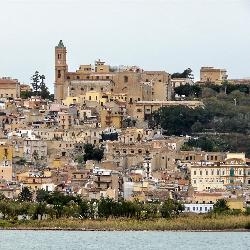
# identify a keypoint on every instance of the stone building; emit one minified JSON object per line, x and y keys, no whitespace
{"x":212,"y":75}
{"x":9,"y":88}
{"x":134,"y":82}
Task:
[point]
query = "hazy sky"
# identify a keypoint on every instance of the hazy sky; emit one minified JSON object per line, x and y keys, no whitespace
{"x":166,"y":35}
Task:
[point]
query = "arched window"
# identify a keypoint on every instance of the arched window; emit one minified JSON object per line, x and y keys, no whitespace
{"x":231,"y":171}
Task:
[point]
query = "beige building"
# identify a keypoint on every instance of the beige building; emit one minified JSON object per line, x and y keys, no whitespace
{"x":135,"y":83}
{"x":9,"y":88}
{"x":232,"y":173}
{"x":212,"y":75}
{"x":65,"y":120}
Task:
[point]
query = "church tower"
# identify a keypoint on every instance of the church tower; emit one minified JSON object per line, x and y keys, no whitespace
{"x":61,"y":68}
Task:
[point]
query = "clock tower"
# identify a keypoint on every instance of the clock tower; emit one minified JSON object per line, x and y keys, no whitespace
{"x":61,"y":68}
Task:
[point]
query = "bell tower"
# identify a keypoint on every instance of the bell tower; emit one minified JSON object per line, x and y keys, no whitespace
{"x":61,"y":68}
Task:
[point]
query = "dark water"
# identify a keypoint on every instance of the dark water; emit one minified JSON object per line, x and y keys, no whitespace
{"x":26,"y":240}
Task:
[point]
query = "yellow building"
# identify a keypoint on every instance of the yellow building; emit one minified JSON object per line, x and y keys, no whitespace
{"x":6,"y":162}
{"x":110,"y":119}
{"x":70,"y":100}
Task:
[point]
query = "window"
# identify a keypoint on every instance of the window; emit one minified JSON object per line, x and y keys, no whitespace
{"x":200,"y":172}
{"x":59,"y":74}
{"x":125,"y":78}
{"x":97,"y":77}
{"x":194,"y":172}
{"x":90,"y":98}
{"x":78,"y":77}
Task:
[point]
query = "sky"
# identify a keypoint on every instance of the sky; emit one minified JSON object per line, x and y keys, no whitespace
{"x":169,"y":35}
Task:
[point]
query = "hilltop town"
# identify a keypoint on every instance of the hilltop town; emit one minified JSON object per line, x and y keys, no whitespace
{"x":104,"y":133}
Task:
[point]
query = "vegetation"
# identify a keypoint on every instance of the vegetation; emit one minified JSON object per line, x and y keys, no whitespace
{"x":187,"y":73}
{"x":208,"y":143}
{"x":223,"y":124}
{"x":92,"y":153}
{"x":201,"y":90}
{"x":39,"y":88}
{"x":69,"y":212}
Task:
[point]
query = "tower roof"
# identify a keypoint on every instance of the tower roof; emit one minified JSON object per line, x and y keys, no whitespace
{"x":60,"y":44}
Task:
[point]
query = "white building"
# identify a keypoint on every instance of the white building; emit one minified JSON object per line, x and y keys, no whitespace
{"x":198,"y":208}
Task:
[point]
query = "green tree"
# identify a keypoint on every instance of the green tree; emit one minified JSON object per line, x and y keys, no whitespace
{"x":40,"y":209}
{"x":92,"y":153}
{"x":187,"y":73}
{"x":26,"y":94}
{"x":39,"y":86}
{"x":25,"y":195}
{"x":171,"y":208}
{"x":42,"y":195}
{"x":5,"y":208}
{"x":179,"y":120}
{"x":83,"y":209}
{"x":188,"y":90}
{"x":35,"y":82}
{"x":221,"y":206}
